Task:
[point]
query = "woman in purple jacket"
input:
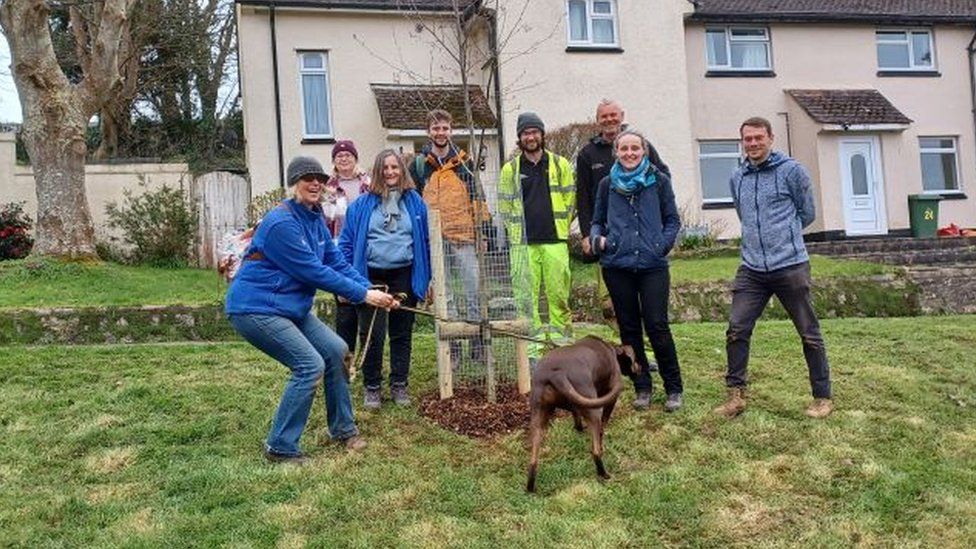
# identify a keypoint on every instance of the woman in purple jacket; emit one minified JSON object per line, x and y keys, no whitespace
{"x":269,"y":304}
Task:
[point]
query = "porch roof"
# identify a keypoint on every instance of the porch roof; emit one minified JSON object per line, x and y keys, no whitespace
{"x":848,"y":107}
{"x":869,"y":11}
{"x":405,"y":107}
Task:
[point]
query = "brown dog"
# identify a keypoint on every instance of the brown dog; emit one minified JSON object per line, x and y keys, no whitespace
{"x":583,"y":378}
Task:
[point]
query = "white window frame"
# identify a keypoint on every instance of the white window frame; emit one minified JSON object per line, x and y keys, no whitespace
{"x":590,"y":16}
{"x":767,"y":39}
{"x":939,"y":150}
{"x":706,"y":156}
{"x":302,"y":71}
{"x":912,"y":67}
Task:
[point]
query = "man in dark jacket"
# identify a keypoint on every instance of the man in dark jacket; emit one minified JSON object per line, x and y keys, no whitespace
{"x":594,"y":160}
{"x":774,"y":200}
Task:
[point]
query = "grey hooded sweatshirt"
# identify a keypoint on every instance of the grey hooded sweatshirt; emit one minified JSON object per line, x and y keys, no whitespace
{"x":774,"y":201}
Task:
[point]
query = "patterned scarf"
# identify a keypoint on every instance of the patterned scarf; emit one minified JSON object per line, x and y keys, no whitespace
{"x":628,"y":182}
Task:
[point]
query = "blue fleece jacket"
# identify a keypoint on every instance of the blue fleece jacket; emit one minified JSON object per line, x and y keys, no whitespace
{"x":640,"y":228}
{"x":299,"y":257}
{"x":352,"y":240}
{"x":774,"y":201}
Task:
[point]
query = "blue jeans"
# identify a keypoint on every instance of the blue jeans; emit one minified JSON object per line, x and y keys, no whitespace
{"x":311,"y":350}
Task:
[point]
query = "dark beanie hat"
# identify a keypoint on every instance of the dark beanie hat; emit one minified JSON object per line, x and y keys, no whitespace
{"x":300,"y":166}
{"x":344,"y":145}
{"x":528,"y":120}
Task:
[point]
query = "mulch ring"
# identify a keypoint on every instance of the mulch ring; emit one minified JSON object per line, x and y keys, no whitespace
{"x":469,"y":413}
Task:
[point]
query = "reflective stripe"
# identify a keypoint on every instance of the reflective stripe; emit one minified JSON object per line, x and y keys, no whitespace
{"x":506,"y":196}
{"x":561,"y":215}
{"x":566,"y":188}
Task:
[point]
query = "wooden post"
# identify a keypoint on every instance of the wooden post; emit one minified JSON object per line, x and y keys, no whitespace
{"x":445,"y":375}
{"x":522,"y":363}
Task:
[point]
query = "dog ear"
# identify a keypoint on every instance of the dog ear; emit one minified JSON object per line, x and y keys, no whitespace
{"x":626,"y":358}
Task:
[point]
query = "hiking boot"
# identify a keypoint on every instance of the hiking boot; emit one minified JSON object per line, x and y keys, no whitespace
{"x":673,"y":402}
{"x":293,"y":459}
{"x":399,"y":395}
{"x":372,"y":398}
{"x":735,"y":403}
{"x":820,"y":408}
{"x":643,"y":399}
{"x":355,"y":443}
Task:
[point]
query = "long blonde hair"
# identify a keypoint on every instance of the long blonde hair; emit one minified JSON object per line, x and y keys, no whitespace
{"x":377,"y":184}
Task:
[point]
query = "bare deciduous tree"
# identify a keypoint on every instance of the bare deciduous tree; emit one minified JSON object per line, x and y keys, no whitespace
{"x":56,"y":113}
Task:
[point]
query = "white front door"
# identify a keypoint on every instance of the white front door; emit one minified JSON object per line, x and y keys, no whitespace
{"x":863,"y":188}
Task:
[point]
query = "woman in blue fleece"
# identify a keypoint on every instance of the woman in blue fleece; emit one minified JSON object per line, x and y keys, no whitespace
{"x":635,"y":223}
{"x":270,"y":301}
{"x":386,"y":238}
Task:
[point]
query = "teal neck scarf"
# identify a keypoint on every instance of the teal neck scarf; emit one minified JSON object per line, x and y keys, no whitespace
{"x":629,"y":182}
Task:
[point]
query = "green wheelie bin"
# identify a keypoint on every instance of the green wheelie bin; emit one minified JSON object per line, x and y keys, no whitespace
{"x":923,"y":214}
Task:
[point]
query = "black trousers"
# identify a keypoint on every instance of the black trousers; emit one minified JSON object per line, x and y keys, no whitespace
{"x":398,"y":323}
{"x":751,"y":292}
{"x":347,"y":323}
{"x":641,"y":298}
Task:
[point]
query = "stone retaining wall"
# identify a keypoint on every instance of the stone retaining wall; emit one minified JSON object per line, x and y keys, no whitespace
{"x":916,"y":292}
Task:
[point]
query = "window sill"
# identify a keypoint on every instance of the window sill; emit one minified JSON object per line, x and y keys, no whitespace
{"x":912,"y":73}
{"x":718,"y":205}
{"x":318,"y":141}
{"x":594,"y":49}
{"x":949,"y":195}
{"x":739,"y":74}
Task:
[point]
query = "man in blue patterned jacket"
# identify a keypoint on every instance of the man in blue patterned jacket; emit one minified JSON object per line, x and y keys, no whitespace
{"x":774,"y":200}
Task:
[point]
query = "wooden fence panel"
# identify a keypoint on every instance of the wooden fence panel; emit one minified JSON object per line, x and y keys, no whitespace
{"x":222,"y":200}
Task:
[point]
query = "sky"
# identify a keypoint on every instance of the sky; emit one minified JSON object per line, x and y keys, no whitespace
{"x":9,"y":103}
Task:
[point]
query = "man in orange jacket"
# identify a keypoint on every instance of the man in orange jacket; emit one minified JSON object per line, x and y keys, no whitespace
{"x":442,"y":171}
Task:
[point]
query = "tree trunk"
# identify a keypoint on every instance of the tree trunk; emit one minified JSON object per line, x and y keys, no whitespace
{"x":64,"y":223}
{"x":55,"y":117}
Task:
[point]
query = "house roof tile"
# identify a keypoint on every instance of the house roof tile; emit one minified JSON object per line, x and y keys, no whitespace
{"x":404,"y":5}
{"x":405,"y":107}
{"x":876,"y":11}
{"x":848,"y":107}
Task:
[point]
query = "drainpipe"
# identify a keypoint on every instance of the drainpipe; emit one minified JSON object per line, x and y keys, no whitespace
{"x":971,"y":49}
{"x":496,"y":73}
{"x":789,"y":136}
{"x":277,"y":94}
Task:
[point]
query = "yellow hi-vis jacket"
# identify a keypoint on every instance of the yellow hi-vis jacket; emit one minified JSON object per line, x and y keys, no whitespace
{"x":562,"y":191}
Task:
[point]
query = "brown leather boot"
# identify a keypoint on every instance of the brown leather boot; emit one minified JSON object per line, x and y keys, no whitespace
{"x":735,"y":403}
{"x":820,"y":408}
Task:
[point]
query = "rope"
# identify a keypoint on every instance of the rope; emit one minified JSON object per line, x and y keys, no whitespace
{"x":357,"y":363}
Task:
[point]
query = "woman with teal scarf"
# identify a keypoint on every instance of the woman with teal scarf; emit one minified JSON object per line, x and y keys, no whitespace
{"x":635,"y":224}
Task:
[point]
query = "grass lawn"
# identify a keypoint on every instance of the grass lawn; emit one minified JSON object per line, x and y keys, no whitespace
{"x":159,"y":445}
{"x":723,"y":267}
{"x":27,"y":283}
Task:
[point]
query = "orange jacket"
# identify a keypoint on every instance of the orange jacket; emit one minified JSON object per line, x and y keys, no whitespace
{"x":448,"y":194}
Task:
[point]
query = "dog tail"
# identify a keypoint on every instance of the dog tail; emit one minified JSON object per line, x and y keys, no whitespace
{"x":566,"y":388}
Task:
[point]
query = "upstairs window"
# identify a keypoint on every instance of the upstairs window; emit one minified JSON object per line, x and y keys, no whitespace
{"x":592,"y":23}
{"x":738,"y":49}
{"x":316,"y":101}
{"x":906,"y":50}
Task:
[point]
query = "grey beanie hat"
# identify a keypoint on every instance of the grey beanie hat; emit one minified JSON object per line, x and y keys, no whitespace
{"x":528,"y":120}
{"x":300,"y":166}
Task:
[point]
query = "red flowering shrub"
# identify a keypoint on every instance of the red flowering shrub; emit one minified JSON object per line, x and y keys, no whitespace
{"x":15,"y":225}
